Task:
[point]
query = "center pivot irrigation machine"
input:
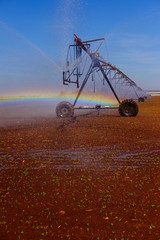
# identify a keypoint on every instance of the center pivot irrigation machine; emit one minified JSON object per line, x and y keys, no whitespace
{"x":119,"y":84}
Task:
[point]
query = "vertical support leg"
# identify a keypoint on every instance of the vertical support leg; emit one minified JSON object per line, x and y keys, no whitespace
{"x":106,"y":78}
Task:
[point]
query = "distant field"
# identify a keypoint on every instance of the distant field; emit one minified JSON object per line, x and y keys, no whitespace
{"x":154,"y":93}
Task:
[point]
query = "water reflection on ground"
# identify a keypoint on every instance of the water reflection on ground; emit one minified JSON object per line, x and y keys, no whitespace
{"x":80,"y":158}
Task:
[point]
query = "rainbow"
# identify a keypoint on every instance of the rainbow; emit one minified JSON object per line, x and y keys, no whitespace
{"x":84,"y":99}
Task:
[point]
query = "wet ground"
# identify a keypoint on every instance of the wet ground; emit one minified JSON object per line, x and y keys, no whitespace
{"x":96,"y":157}
{"x":92,"y":177}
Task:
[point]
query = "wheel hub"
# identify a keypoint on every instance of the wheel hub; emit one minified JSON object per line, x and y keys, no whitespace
{"x":64,"y":110}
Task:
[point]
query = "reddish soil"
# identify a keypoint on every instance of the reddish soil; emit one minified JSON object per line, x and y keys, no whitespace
{"x":93,"y":177}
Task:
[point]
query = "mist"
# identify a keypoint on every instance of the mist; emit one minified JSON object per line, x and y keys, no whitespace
{"x":24,"y":67}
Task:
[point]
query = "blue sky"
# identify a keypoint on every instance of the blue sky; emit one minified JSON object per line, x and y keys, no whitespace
{"x":34,"y":36}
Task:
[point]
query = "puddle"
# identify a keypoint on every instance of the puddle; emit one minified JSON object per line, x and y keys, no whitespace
{"x":97,"y":157}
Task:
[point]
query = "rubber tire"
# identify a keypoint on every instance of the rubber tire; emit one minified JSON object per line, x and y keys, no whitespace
{"x":128,"y":108}
{"x":64,"y":109}
{"x":141,"y":99}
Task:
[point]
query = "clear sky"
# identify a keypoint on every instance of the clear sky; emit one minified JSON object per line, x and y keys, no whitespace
{"x":35,"y":34}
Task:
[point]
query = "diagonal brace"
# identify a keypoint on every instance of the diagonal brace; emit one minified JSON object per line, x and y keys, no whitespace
{"x":84,"y":82}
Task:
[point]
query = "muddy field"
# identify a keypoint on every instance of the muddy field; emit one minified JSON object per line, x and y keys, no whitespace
{"x":91,"y":177}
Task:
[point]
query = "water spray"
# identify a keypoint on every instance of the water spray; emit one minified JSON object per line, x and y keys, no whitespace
{"x":32,"y":45}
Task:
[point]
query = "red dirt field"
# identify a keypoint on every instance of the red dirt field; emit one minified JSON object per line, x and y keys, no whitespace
{"x":92,"y":177}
